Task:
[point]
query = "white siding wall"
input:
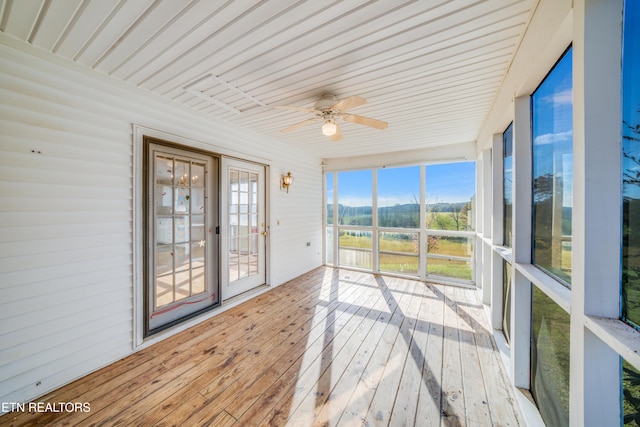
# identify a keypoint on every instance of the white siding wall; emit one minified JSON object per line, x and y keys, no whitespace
{"x":66,"y":214}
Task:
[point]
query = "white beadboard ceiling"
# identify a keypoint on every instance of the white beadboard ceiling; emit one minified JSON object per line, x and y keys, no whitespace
{"x":430,"y":68}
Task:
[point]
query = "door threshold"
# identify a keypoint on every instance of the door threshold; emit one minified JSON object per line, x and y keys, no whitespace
{"x":244,"y":295}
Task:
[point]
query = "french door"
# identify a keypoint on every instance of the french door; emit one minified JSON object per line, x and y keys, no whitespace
{"x":182,"y":244}
{"x":244,"y":224}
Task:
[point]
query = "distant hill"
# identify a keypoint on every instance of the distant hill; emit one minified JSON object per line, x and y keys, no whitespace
{"x":407,"y":208}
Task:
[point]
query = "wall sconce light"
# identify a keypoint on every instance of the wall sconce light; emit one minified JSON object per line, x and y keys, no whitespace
{"x":287,"y":180}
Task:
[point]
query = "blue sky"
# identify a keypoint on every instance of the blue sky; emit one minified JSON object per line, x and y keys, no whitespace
{"x":449,"y":183}
{"x":552,"y":108}
{"x":631,"y":92}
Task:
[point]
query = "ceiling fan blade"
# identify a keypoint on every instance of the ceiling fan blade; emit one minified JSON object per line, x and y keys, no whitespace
{"x":338,"y":135}
{"x":286,"y":107}
{"x":350,"y":102}
{"x":301,"y":124}
{"x":378,"y":124}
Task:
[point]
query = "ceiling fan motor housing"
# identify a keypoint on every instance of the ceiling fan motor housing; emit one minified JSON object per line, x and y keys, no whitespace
{"x":326,"y":102}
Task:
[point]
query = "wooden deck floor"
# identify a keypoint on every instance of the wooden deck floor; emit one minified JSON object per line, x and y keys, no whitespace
{"x":331,"y":347}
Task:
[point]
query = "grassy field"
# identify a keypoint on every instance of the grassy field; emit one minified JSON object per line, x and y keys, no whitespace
{"x":400,"y":263}
{"x":631,"y":390}
{"x":550,"y":359}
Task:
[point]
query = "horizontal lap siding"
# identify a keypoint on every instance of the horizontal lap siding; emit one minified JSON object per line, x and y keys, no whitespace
{"x":66,"y":232}
{"x":66,"y":215}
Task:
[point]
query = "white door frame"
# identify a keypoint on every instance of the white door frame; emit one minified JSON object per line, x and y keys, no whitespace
{"x":228,"y":288}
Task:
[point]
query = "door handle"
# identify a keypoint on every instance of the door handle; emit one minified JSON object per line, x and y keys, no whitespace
{"x":264,"y":233}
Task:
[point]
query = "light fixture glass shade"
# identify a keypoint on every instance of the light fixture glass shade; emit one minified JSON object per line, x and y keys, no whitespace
{"x":287,"y":180}
{"x":329,"y":128}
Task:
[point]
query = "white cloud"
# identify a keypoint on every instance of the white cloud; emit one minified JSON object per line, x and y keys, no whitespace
{"x":550,"y":138}
{"x":560,"y":98}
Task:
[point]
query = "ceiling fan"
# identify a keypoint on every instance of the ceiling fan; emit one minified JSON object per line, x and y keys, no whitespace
{"x":328,"y":110}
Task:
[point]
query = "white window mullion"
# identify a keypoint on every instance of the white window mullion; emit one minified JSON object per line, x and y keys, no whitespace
{"x":375,"y":243}
{"x":336,"y":216}
{"x":595,"y":373}
{"x":521,"y":286}
{"x":487,"y":205}
{"x":496,"y":283}
{"x":423,"y":236}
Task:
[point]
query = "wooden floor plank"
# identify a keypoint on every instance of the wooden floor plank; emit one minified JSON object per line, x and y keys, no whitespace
{"x":475,"y":397}
{"x":314,"y":389}
{"x":384,"y":399}
{"x":404,"y":409}
{"x":331,"y":315}
{"x":428,"y":411}
{"x":331,"y":347}
{"x":260,"y":340}
{"x":453,"y":411}
{"x":366,"y":339}
{"x":228,"y":350}
{"x":499,"y":393}
{"x":356,"y":410}
{"x":299,"y":383}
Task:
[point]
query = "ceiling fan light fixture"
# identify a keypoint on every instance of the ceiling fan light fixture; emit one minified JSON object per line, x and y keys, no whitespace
{"x":329,"y":128}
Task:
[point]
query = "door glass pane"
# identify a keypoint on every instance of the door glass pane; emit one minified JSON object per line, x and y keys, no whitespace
{"x":164,"y":199}
{"x":197,"y":175}
{"x":164,"y":170}
{"x":181,"y":231}
{"x":399,"y":197}
{"x":197,"y":254}
{"x":164,"y":230}
{"x":243,"y":267}
{"x":244,"y":230}
{"x":507,"y":182}
{"x":631,"y":165}
{"x":253,"y":181}
{"x":552,"y":120}
{"x":182,"y":200}
{"x":182,"y":284}
{"x":197,"y":227}
{"x":253,"y":264}
{"x":197,"y":200}
{"x":254,"y":244}
{"x":182,"y":256}
{"x":244,"y":202}
{"x":550,"y":359}
{"x":164,"y":274}
{"x":197,"y":281}
{"x":164,"y":290}
{"x":233,"y":181}
{"x":181,"y":175}
{"x":178,"y":225}
{"x":244,"y":182}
